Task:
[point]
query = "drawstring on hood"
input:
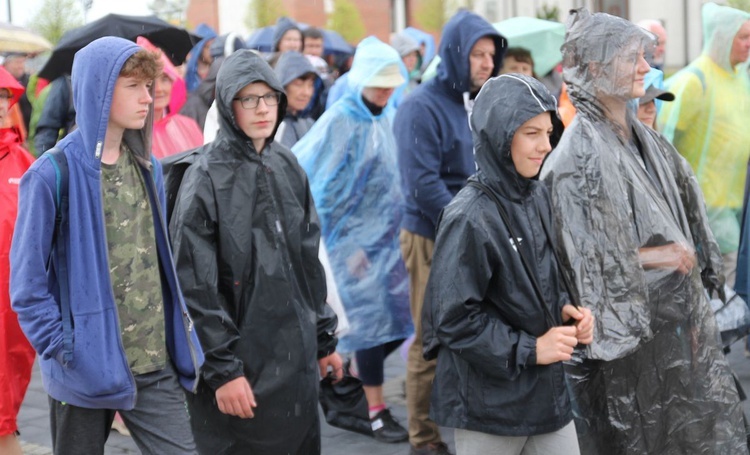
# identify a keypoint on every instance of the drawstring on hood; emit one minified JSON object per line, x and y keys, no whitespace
{"x":504,"y":104}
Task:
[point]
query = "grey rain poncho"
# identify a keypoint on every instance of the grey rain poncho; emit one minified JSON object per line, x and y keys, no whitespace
{"x":655,"y":379}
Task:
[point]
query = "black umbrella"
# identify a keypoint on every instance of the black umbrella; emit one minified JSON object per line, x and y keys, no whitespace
{"x":176,"y":42}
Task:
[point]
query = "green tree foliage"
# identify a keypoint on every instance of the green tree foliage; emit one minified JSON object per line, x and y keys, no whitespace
{"x":346,"y":20}
{"x":55,"y":17}
{"x":744,"y":5}
{"x":432,"y":14}
{"x":548,"y":12}
{"x":262,"y":13}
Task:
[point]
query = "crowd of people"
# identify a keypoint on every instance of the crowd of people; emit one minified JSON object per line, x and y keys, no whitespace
{"x":180,"y":253}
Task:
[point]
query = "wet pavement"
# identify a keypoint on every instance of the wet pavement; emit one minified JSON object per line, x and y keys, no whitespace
{"x":33,"y":421}
{"x":34,"y":418}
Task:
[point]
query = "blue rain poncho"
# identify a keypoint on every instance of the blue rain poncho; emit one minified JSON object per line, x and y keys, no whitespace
{"x":655,"y":379}
{"x":350,"y":157}
{"x":707,"y":122}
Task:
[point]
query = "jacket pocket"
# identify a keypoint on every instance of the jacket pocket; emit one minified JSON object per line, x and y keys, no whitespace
{"x":97,"y":367}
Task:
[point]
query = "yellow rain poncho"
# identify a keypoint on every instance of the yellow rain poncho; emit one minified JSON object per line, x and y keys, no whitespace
{"x":707,"y":122}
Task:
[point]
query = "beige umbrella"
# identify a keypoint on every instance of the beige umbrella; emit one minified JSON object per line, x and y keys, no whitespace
{"x":19,"y":39}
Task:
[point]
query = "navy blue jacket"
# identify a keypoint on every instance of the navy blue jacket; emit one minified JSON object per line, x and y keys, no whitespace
{"x":435,"y":147}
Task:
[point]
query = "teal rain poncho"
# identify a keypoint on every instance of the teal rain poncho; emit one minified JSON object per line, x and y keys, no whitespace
{"x":707,"y":122}
{"x":655,"y":379}
{"x":350,"y":158}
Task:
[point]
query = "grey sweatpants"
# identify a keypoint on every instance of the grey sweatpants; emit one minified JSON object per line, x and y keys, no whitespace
{"x":561,"y":442}
{"x":159,"y":423}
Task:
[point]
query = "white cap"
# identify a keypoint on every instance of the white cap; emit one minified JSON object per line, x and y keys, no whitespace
{"x":388,"y":77}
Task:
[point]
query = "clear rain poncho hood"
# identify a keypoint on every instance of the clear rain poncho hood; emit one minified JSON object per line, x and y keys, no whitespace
{"x":707,"y":122}
{"x":350,"y":158}
{"x":655,"y":379}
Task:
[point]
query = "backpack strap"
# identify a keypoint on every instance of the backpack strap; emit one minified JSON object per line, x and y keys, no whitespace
{"x":59,"y":252}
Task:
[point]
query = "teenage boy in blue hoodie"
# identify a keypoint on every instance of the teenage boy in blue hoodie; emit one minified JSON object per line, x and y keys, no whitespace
{"x":435,"y":153}
{"x":128,"y":343}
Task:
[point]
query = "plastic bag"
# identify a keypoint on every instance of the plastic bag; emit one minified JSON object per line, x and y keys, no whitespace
{"x":732,"y":318}
{"x":345,"y":405}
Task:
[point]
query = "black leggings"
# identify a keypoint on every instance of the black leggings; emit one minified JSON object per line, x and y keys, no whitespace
{"x":370,"y":362}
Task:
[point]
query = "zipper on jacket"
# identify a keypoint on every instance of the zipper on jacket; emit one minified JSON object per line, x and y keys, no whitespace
{"x":279,"y":239}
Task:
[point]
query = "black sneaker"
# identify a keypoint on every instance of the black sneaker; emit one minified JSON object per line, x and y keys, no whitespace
{"x":435,"y":448}
{"x":387,"y":429}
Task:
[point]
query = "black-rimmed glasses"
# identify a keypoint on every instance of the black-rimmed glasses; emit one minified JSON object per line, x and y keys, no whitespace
{"x":252,"y":101}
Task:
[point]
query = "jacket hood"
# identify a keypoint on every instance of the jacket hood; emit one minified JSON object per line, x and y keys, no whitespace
{"x":504,"y":104}
{"x":404,"y":44}
{"x":600,"y":55}
{"x":179,"y":91}
{"x":239,"y":70}
{"x":292,"y":65}
{"x":191,"y":72}
{"x":226,"y":45}
{"x":96,"y":68}
{"x":371,"y":56}
{"x":720,"y":25}
{"x":283,"y":25}
{"x":7,"y":81}
{"x":423,"y":38}
{"x":460,"y":34}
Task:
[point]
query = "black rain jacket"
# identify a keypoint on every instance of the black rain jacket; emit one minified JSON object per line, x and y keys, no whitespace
{"x":481,"y":314}
{"x":246,"y":236}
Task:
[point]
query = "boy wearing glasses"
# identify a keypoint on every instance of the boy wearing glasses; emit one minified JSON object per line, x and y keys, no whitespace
{"x":245,"y":235}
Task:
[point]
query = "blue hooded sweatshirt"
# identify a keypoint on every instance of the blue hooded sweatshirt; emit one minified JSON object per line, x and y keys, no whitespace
{"x":435,"y":147}
{"x":350,"y":158}
{"x":98,"y":375}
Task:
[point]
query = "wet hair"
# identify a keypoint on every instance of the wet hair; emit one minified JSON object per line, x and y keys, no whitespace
{"x":143,"y":65}
{"x":520,"y":54}
{"x":313,"y":33}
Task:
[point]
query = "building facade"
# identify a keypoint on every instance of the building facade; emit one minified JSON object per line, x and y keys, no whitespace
{"x":382,"y":17}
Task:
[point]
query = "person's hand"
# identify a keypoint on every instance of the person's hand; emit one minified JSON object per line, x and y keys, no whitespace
{"x":584,"y":322}
{"x":333,"y":361}
{"x":358,"y":264}
{"x":556,"y":345}
{"x":235,"y":398}
{"x":673,"y":256}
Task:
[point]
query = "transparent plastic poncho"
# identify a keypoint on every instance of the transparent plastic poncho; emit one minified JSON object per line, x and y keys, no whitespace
{"x":707,"y":122}
{"x":639,"y":254}
{"x":350,"y":158}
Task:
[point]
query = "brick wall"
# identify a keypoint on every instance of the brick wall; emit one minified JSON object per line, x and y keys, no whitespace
{"x":203,"y":11}
{"x":376,"y":14}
